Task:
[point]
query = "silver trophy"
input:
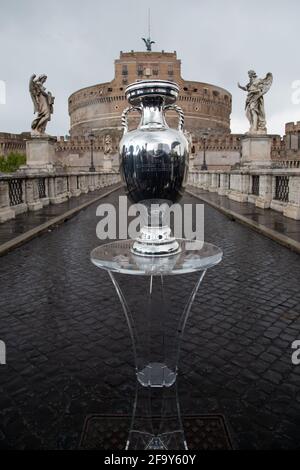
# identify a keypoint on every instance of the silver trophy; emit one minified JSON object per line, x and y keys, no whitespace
{"x":154,"y":162}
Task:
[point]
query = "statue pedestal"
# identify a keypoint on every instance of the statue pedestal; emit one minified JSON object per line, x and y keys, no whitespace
{"x":256,"y":151}
{"x":40,"y":153}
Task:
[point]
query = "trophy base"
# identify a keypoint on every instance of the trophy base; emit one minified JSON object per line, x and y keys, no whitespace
{"x":156,"y":374}
{"x":155,"y":241}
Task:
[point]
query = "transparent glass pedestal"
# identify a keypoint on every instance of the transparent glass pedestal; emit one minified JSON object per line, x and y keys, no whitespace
{"x":156,"y":294}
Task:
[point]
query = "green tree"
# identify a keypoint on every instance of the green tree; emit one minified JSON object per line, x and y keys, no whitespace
{"x":11,"y":162}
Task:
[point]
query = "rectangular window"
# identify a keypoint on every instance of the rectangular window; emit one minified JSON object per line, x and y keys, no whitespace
{"x":170,"y":70}
{"x":155,"y":70}
{"x":140,"y":70}
{"x":124,"y":70}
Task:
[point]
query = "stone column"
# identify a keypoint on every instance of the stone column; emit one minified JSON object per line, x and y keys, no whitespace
{"x":265,"y":192}
{"x":32,"y":194}
{"x":83,"y":184}
{"x":213,"y":187}
{"x":74,"y":191}
{"x":6,"y":212}
{"x":51,"y":189}
{"x":46,"y":201}
{"x":91,"y":182}
{"x":292,"y":209}
{"x":239,"y":187}
{"x":206,"y":180}
{"x":58,"y":189}
{"x":107,"y":166}
{"x":97,"y":181}
{"x":224,"y":184}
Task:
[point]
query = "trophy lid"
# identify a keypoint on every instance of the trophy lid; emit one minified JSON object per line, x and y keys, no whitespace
{"x":146,"y":88}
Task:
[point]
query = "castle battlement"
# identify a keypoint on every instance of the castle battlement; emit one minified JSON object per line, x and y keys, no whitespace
{"x":83,"y":143}
{"x":13,"y":142}
{"x":292,"y":127}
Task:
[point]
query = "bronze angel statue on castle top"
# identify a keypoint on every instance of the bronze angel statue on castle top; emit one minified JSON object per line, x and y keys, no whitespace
{"x":255,"y":109}
{"x":43,"y":104}
{"x":148,"y":43}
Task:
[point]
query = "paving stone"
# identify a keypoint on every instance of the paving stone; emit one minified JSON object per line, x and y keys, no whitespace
{"x":69,"y":352}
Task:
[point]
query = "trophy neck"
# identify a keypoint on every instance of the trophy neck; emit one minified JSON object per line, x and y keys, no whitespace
{"x":152,"y":113}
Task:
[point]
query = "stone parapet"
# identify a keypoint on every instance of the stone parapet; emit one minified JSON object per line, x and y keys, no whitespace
{"x":21,"y":192}
{"x":278,"y":189}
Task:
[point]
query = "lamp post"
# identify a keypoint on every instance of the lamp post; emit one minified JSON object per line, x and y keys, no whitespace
{"x":204,"y":136}
{"x":92,"y":138}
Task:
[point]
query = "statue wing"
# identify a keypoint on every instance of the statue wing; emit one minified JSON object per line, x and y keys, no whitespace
{"x":33,"y":93}
{"x":266,"y":83}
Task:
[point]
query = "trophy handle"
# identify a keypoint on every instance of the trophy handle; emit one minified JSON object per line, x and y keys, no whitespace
{"x":178,"y":111}
{"x":124,"y":116}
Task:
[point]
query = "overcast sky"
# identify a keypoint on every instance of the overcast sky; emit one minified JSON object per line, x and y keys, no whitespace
{"x":75,"y":44}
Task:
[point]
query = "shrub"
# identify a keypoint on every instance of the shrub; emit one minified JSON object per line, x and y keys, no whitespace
{"x":12,"y":162}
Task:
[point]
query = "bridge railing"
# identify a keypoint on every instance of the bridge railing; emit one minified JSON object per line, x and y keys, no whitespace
{"x":21,"y":193}
{"x":277,"y":188}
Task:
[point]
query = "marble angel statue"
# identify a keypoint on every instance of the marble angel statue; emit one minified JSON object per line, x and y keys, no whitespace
{"x":43,"y":104}
{"x":255,"y":109}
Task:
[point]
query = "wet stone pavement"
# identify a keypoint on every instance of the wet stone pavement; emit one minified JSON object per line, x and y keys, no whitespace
{"x":32,"y":219}
{"x":267,"y":218}
{"x":69,"y":353}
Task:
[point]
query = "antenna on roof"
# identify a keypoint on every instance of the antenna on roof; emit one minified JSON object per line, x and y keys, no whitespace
{"x":148,"y":42}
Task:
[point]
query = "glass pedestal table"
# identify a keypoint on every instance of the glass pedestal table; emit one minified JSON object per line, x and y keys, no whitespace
{"x":156,"y":294}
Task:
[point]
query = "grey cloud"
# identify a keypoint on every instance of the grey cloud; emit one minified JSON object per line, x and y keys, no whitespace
{"x":76,"y":42}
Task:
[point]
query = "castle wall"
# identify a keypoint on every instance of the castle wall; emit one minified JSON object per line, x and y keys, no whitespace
{"x":292,"y":140}
{"x":75,"y":153}
{"x":13,"y":143}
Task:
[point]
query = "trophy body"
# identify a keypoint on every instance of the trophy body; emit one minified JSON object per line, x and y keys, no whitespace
{"x":154,"y":160}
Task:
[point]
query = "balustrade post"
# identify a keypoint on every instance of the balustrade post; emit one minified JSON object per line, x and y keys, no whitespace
{"x":292,"y":210}
{"x":224,"y":184}
{"x":32,"y":194}
{"x":6,"y":212}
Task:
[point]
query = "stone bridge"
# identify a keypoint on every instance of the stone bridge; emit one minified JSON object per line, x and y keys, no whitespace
{"x":68,"y":353}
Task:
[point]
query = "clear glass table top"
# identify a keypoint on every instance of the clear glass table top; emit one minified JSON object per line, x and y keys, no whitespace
{"x":194,"y":256}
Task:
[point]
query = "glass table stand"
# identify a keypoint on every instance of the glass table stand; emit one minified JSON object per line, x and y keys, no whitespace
{"x":156,"y":299}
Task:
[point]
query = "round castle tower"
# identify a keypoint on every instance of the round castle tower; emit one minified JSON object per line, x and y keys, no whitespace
{"x":99,"y":107}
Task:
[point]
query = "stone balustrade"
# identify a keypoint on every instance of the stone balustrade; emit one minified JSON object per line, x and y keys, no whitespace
{"x":278,"y":189}
{"x":19,"y":193}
